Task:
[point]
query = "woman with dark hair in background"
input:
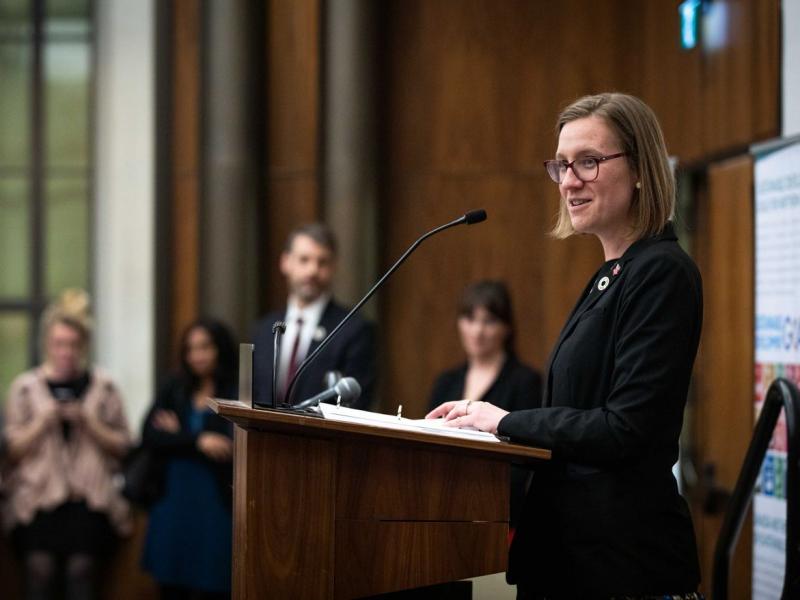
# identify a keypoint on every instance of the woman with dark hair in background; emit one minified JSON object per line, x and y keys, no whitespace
{"x":492,"y":372}
{"x":188,"y":544}
{"x":66,"y":432}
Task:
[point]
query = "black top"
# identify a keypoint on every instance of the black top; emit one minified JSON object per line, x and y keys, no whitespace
{"x":176,"y":395}
{"x":516,"y":387}
{"x":351,"y":352}
{"x":605,"y":518}
{"x":72,"y":389}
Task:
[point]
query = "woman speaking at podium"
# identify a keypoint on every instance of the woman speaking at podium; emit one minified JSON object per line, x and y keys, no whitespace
{"x":605,"y":518}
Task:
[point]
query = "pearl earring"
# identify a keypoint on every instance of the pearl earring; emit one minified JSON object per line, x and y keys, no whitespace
{"x":638,"y":185}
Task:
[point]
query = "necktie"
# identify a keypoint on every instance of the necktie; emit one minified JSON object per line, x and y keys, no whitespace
{"x":293,"y":362}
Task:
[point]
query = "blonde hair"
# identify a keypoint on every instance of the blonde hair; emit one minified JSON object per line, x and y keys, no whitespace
{"x":71,"y":308}
{"x":640,"y":136}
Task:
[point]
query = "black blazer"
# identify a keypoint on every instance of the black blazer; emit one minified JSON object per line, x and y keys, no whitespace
{"x":516,"y":387}
{"x":605,"y":517}
{"x":176,"y":396}
{"x":351,"y":352}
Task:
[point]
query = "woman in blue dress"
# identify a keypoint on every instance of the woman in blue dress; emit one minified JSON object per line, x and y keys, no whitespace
{"x":188,"y":544}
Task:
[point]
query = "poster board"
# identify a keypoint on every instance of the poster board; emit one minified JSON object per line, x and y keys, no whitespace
{"x":777,"y":346}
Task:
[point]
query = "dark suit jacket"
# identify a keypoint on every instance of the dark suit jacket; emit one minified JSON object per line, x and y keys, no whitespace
{"x":605,"y":517}
{"x":351,"y":352}
{"x":176,"y":396}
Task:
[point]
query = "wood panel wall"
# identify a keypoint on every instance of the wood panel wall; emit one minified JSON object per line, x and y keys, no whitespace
{"x":185,"y":176}
{"x":472,"y":90}
{"x":472,"y":96}
{"x":719,"y":97}
{"x":469,"y":92}
{"x":293,"y":108}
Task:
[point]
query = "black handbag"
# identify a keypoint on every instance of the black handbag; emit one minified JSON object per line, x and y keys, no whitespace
{"x":143,"y":473}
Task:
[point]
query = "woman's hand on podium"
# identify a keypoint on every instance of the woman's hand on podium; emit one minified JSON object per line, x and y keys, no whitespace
{"x":469,"y":413}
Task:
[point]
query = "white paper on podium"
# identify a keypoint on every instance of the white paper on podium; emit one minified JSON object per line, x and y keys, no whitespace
{"x":430,"y":426}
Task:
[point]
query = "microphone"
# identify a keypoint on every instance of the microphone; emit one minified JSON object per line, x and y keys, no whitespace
{"x":331,"y":378}
{"x":472,"y":217}
{"x":347,"y":388}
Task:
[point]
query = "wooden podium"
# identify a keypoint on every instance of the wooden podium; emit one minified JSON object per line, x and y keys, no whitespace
{"x":326,"y":509}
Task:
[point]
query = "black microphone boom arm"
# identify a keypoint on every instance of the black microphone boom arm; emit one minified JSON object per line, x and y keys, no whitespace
{"x":474,"y":216}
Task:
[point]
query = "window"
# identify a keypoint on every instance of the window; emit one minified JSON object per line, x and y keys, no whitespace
{"x":46,"y":49}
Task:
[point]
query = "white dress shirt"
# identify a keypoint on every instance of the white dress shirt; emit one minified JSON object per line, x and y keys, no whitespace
{"x":311,"y":331}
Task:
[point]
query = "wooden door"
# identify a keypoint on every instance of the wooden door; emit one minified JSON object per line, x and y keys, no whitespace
{"x":722,"y":409}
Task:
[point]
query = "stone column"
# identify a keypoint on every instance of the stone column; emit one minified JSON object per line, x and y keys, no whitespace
{"x":349,"y":142}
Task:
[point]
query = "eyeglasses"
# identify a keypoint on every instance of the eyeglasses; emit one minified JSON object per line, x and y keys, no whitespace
{"x":586,"y":168}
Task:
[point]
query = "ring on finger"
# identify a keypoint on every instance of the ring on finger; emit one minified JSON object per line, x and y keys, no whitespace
{"x":466,"y":410}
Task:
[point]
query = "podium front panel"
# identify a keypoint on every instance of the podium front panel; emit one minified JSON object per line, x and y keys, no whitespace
{"x":283,"y":516}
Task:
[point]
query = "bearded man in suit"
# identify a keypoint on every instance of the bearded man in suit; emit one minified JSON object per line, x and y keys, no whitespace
{"x":308,"y":263}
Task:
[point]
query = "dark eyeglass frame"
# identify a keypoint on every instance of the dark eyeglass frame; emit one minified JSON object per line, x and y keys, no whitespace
{"x":569,"y":165}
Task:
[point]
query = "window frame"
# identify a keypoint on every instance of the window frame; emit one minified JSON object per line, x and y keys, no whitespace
{"x":36,"y":171}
